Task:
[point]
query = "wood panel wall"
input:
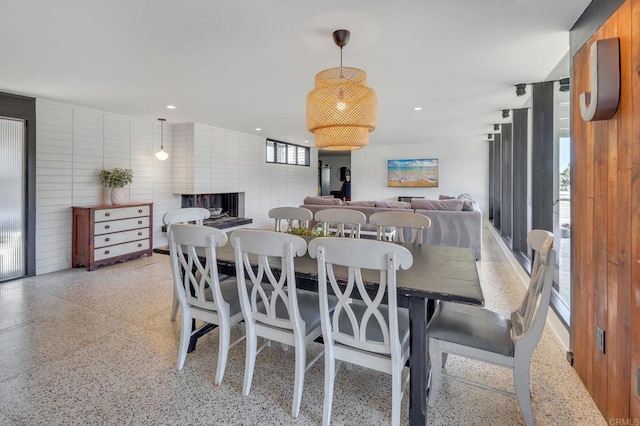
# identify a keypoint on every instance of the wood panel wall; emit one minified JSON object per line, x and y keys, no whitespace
{"x":606,"y":228}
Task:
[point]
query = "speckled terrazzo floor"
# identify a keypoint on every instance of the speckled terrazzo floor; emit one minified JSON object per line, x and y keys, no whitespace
{"x":86,"y":348}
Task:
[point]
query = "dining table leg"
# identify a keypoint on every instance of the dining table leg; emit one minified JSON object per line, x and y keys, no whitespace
{"x":418,"y":361}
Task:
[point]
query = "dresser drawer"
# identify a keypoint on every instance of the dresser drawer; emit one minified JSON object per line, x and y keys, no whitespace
{"x":121,"y":213}
{"x":120,"y":225}
{"x":120,"y":249}
{"x":120,"y":237}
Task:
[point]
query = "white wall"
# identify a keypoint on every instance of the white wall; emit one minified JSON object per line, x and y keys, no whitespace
{"x":463,"y":167}
{"x":213,"y":160}
{"x":335,"y":162}
{"x":73,"y":144}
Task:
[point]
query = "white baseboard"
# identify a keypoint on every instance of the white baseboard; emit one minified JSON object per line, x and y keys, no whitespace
{"x":556,"y":326}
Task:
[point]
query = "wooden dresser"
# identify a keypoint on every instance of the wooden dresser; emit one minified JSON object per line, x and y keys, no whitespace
{"x":107,"y":234}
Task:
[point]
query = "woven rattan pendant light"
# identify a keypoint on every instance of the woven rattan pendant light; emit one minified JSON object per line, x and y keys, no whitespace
{"x":341,"y":109}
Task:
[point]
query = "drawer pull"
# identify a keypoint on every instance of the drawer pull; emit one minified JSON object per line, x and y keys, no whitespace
{"x":139,"y":210}
{"x":139,"y":244}
{"x":107,"y":214}
{"x":107,"y":226}
{"x":106,"y":252}
{"x":107,"y":239}
{"x":139,"y":222}
{"x":139,"y":233}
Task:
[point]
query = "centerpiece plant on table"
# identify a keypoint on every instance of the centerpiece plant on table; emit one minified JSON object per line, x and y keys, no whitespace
{"x":306,"y":232}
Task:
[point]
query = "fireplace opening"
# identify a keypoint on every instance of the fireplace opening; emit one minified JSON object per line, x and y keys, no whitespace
{"x":228,"y":202}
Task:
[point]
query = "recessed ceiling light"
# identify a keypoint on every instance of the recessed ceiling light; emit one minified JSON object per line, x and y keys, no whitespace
{"x":258,"y":129}
{"x":417,"y":108}
{"x":306,"y":141}
{"x":171,"y":107}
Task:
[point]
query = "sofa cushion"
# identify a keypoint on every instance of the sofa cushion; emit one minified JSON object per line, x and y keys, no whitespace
{"x":361,"y":203}
{"x":393,"y":204}
{"x":449,"y":205}
{"x":323,"y":201}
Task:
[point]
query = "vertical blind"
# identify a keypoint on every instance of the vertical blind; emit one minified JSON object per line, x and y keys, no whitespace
{"x":12,"y":199}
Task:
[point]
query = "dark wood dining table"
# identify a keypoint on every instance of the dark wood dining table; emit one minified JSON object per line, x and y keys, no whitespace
{"x":437,"y":273}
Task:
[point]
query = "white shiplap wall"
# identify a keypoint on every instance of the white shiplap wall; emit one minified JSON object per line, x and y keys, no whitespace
{"x":213,"y":160}
{"x":73,"y":144}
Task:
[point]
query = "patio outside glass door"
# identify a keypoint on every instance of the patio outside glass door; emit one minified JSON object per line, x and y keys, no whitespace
{"x":12,"y":199}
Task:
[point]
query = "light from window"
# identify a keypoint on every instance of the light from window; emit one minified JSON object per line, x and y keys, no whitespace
{"x":286,"y":153}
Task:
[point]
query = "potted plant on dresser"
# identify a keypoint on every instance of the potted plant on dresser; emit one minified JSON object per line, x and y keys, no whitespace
{"x":116,"y":179}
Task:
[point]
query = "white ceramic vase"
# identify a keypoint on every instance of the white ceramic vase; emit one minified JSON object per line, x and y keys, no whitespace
{"x":118,"y":196}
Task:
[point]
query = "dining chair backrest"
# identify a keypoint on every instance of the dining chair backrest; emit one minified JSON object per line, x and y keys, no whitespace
{"x":193,"y":279}
{"x":274,"y":302}
{"x":343,"y":219}
{"x":195,"y":215}
{"x":346,"y":326}
{"x":414,"y":223}
{"x":186,"y":215}
{"x":529,"y":319}
{"x":294,"y":217}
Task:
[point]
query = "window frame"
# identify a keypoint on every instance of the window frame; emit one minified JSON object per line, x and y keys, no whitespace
{"x":287,"y":150}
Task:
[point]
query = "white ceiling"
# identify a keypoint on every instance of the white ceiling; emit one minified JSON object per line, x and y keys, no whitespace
{"x":246,"y":64}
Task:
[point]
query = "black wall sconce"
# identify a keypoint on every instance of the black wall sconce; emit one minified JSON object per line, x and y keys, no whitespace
{"x":496,"y":127}
{"x":564,"y":84}
{"x":521,"y":89}
{"x":490,"y":135}
{"x":505,"y":113}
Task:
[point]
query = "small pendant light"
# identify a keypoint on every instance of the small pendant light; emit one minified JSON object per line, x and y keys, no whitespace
{"x":162,"y":155}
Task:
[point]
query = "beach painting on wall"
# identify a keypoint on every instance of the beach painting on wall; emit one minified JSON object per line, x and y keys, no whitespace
{"x":413,"y":173}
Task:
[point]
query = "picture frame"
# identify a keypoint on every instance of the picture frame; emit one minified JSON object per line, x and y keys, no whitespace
{"x":413,"y":173}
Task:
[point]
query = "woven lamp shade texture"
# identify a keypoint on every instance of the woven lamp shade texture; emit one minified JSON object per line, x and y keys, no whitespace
{"x":341,"y":109}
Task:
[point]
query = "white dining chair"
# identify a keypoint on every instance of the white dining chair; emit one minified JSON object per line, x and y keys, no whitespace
{"x":343,"y":222}
{"x":484,"y":335}
{"x":194,"y":215}
{"x":201,"y":295}
{"x":294,"y":217}
{"x":361,"y":330}
{"x":275,"y":309}
{"x":414,"y":223}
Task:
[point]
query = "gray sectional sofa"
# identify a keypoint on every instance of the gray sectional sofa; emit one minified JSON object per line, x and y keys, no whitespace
{"x":455,"y":222}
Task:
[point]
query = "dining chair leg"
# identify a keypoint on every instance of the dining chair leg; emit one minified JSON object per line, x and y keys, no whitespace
{"x":329,"y":378}
{"x":435,"y":354}
{"x":521,"y":382}
{"x":301,"y":356}
{"x":174,"y":307}
{"x":223,"y":351}
{"x":185,"y":336}
{"x":250,"y":359}
{"x":396,"y":393}
{"x":444,"y":358}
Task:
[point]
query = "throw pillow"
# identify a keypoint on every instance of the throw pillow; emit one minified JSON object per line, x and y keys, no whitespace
{"x":361,"y":203}
{"x":393,"y":204}
{"x":469,"y":206}
{"x":323,"y":201}
{"x":465,"y":196}
{"x":446,"y":197}
{"x":449,"y":205}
